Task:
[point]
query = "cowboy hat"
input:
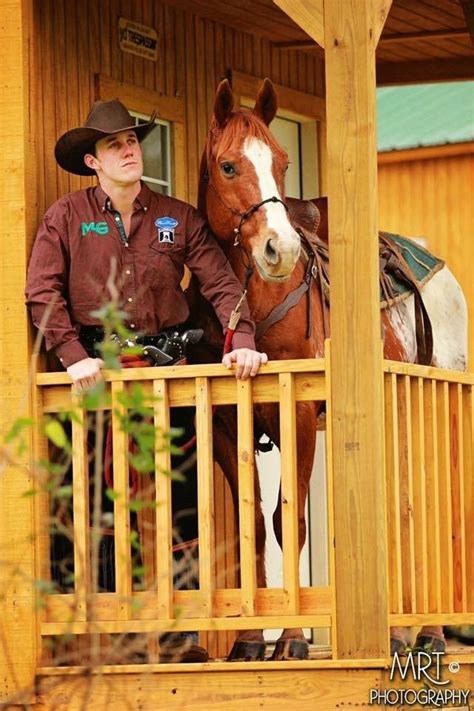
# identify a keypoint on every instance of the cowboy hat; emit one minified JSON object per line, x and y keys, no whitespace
{"x":105,"y":118}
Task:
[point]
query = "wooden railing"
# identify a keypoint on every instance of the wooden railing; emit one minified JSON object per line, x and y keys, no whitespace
{"x":160,"y":607}
{"x":429,"y":420}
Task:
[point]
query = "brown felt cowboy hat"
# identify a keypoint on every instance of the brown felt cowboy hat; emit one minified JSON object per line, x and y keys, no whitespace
{"x":105,"y":118}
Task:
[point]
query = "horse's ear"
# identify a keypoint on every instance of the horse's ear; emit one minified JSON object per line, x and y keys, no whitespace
{"x":266,"y":104}
{"x":224,"y":102}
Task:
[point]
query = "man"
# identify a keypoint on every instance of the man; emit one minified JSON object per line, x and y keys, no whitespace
{"x":122,"y":227}
{"x":149,"y":237}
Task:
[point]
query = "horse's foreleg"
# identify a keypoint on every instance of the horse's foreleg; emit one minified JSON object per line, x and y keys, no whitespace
{"x":292,"y":643}
{"x":250,"y":644}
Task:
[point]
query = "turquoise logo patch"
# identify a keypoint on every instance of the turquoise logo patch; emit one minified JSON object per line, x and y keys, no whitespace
{"x":100,"y":228}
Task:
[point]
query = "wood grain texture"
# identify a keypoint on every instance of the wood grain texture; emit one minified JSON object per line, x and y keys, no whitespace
{"x":357,"y":400}
{"x":17,"y":198}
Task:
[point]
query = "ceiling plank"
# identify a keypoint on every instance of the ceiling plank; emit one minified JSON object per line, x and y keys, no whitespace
{"x":426,"y":71}
{"x":422,"y":35}
{"x":308,"y":14}
{"x":468,"y":9}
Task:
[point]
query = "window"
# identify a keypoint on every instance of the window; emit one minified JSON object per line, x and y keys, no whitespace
{"x":156,"y":155}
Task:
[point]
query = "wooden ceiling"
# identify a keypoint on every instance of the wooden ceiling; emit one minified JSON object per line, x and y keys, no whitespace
{"x":422,"y":40}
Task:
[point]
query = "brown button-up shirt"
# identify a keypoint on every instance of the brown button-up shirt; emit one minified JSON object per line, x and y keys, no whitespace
{"x":80,"y":237}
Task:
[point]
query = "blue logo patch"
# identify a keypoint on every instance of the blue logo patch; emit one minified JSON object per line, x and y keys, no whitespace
{"x":166,"y":226}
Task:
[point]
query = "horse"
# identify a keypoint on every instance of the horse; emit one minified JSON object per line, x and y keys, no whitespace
{"x":264,"y":236}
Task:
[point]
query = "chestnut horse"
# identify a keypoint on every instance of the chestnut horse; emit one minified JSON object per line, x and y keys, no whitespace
{"x":242,"y":196}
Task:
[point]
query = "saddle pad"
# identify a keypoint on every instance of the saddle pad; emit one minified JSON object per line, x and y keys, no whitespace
{"x":420,"y":262}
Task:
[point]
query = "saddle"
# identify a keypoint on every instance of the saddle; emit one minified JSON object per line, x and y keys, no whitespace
{"x":405,"y":268}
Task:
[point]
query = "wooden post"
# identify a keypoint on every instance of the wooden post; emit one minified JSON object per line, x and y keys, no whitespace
{"x":351,"y":31}
{"x":18,"y":647}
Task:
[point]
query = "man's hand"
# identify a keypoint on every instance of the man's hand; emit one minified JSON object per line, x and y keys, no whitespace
{"x":85,"y":373}
{"x":248,"y":362}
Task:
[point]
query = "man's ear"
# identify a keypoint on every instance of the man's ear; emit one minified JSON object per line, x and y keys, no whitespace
{"x":91,"y":161}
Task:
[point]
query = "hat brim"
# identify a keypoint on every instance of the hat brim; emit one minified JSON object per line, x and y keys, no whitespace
{"x":73,"y":145}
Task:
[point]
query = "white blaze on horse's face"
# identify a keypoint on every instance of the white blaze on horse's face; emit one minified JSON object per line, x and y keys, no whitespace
{"x":277,"y":247}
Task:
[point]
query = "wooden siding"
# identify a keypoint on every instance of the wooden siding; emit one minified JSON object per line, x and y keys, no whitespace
{"x":78,"y":41}
{"x":433,"y":199}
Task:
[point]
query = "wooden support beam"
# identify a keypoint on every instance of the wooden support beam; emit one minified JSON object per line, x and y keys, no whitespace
{"x":308,"y":14}
{"x":18,"y":640}
{"x":356,"y":365}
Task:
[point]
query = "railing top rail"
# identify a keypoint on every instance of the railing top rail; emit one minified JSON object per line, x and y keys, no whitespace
{"x":309,"y":365}
{"x":427,"y":371}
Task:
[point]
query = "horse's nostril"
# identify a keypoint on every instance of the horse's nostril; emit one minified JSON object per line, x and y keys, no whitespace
{"x":271,"y":254}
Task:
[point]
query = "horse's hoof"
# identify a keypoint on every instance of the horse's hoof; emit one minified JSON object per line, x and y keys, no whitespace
{"x":247,"y":651}
{"x":290,"y":649}
{"x":428,"y":643}
{"x":397,"y":646}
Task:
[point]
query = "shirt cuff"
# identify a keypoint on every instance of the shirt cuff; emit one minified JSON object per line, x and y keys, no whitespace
{"x":71,"y":352}
{"x":243,"y":340}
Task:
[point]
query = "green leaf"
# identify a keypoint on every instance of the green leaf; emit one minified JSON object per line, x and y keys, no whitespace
{"x":18,"y":426}
{"x":138,"y":571}
{"x":54,"y":431}
{"x":63,"y":492}
{"x":139,"y":504}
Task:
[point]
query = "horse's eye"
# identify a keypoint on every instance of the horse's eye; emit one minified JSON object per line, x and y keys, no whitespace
{"x":285,"y":169}
{"x":228,"y":169}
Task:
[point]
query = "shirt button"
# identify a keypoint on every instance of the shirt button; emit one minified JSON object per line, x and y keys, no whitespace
{"x":125,"y":244}
{"x":128,"y":272}
{"x":130,"y":299}
{"x":132,"y":325}
{"x":145,"y":209}
{"x":117,"y":218}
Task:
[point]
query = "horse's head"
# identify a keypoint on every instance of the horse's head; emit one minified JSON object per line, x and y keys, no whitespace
{"x":242,"y":189}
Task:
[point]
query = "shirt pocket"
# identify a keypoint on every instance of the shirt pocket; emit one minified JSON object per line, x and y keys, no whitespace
{"x":165,"y":267}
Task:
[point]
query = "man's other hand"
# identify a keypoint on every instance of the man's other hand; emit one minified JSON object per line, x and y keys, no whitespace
{"x":247,"y":361}
{"x":85,"y":373}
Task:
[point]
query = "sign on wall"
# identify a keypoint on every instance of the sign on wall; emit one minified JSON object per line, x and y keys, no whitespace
{"x":138,"y":39}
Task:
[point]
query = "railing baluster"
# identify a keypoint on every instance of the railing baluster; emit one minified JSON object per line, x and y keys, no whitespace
{"x":445,"y":518}
{"x":164,"y":518}
{"x":457,"y":495}
{"x":419,"y":494}
{"x":205,"y":467}
{"x":123,"y":561}
{"x":406,"y":494}
{"x":432,"y":497}
{"x":468,"y":448}
{"x":289,"y":491}
{"x":247,"y":474}
{"x":392,"y":464}
{"x":80,"y":484}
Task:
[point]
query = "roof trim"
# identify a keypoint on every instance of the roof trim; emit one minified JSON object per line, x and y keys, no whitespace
{"x":425,"y":153}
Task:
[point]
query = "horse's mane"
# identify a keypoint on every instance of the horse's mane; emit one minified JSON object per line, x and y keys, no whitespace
{"x":241,"y":124}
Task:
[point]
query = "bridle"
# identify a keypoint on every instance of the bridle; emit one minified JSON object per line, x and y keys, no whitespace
{"x":246,"y":214}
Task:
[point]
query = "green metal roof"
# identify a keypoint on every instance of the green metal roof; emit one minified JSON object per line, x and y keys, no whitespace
{"x":425,"y":115}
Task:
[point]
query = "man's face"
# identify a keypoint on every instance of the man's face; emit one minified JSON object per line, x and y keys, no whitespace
{"x":118,"y":158}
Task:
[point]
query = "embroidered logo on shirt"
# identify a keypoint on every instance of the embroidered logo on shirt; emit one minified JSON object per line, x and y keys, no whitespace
{"x":100,"y":228}
{"x":166,"y":226}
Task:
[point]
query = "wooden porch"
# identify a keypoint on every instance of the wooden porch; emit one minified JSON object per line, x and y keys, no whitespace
{"x":398,"y":435}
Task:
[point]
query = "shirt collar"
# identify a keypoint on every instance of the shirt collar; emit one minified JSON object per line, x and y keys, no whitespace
{"x":141,"y":202}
